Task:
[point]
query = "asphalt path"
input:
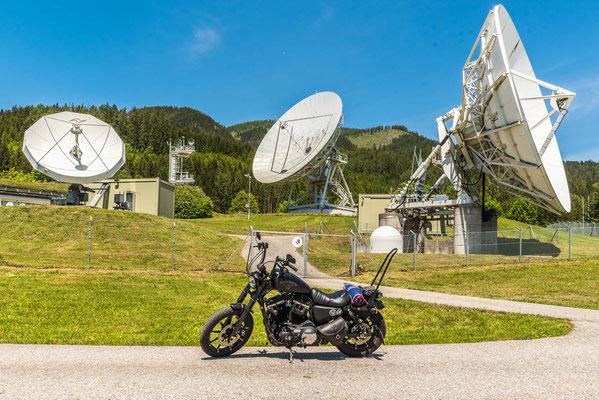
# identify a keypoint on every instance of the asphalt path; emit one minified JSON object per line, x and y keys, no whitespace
{"x":565,"y":367}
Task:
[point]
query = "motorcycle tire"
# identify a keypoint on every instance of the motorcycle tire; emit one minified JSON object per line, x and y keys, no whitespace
{"x":375,"y":341}
{"x":212,"y":336}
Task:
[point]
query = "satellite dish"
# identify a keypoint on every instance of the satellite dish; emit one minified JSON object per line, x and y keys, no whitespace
{"x":504,"y":124}
{"x":301,"y":143}
{"x":74,"y":148}
{"x":300,"y":140}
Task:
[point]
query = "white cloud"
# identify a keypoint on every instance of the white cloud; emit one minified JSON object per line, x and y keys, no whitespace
{"x":204,"y":40}
{"x":587,"y":95}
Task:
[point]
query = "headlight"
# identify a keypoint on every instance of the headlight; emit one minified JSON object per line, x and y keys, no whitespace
{"x":252,"y":282}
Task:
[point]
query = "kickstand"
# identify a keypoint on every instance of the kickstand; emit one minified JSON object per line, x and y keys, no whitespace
{"x":290,"y":354}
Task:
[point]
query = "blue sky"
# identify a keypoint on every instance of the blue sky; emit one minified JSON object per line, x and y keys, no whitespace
{"x":392,"y":62}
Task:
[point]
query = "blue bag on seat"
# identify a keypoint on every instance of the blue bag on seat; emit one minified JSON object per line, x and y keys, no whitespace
{"x":356,"y":295}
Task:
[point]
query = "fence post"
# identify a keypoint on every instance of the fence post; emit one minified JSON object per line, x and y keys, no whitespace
{"x":520,"y":251}
{"x":414,"y":257}
{"x":251,"y":251}
{"x":467,"y":248}
{"x":89,"y":244}
{"x":353,"y":254}
{"x":569,"y":241}
{"x":557,"y":235}
{"x":174,"y":242}
{"x":305,"y":255}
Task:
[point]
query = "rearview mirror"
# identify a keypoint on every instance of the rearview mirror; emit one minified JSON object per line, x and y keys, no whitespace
{"x":258,"y":236}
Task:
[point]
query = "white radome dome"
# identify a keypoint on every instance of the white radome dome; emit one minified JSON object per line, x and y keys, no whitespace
{"x":384,"y":239}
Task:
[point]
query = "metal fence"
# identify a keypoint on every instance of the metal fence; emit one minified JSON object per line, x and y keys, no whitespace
{"x":578,"y":228}
{"x":350,"y":254}
{"x":178,"y":248}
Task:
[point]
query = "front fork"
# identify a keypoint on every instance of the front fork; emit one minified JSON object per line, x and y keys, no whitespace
{"x":245,"y":308}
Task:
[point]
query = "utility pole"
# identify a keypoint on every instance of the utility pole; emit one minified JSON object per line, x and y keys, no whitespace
{"x":249,"y":205}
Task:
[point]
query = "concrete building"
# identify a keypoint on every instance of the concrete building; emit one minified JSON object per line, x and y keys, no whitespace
{"x":369,"y":208}
{"x":147,"y":195}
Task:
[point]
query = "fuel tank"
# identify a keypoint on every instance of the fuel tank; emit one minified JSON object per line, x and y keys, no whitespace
{"x":287,"y":282}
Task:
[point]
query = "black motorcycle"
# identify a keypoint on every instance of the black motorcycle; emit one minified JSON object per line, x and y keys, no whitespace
{"x":299,"y":315}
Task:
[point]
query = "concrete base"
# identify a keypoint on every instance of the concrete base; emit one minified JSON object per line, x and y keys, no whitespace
{"x":469,"y":231}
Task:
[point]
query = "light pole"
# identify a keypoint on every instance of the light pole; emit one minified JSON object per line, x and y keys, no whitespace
{"x":249,"y":194}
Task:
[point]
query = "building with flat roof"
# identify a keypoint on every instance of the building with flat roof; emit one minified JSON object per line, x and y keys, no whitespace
{"x":10,"y":196}
{"x":146,"y":195}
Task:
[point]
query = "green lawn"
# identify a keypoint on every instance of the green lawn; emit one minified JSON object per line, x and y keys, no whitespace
{"x":151,"y":308}
{"x":239,"y":224}
{"x":57,"y":237}
{"x":52,"y":236}
{"x":55,"y":187}
{"x":549,"y":280}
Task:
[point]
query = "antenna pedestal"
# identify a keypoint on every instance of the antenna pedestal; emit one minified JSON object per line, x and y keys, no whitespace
{"x":328,"y":191}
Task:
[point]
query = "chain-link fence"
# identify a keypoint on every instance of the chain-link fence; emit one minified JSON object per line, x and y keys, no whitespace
{"x":350,"y":255}
{"x":578,"y":228}
{"x":108,"y":243}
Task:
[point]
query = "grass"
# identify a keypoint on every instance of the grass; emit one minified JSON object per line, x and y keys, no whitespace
{"x":548,"y":280}
{"x":57,"y":237}
{"x":55,"y":187}
{"x":239,"y":224}
{"x":52,"y":236}
{"x":152,"y":308}
{"x":379,"y":138}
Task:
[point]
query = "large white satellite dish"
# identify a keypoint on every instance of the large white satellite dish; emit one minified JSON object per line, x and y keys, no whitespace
{"x":503,"y":126}
{"x":74,"y":148}
{"x":300,"y":140}
{"x":301,"y":143}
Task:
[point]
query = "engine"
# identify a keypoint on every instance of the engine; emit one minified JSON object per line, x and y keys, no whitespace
{"x":289,"y":319}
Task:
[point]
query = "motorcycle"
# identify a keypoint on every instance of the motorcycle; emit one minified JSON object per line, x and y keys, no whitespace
{"x":298,"y":315}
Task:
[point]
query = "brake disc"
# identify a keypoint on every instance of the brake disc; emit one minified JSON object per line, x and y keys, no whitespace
{"x":365,"y":334}
{"x":224,"y":338}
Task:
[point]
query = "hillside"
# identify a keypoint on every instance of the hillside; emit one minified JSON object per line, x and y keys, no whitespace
{"x":190,"y":118}
{"x":380,"y":158}
{"x":250,"y":132}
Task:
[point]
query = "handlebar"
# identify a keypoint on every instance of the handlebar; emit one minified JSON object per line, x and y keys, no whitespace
{"x":286,"y":263}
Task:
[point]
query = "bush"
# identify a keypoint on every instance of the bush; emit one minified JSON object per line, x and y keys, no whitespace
{"x":192,"y":202}
{"x":20,"y":176}
{"x":523,"y":211}
{"x":239,"y":202}
{"x":283,"y":206}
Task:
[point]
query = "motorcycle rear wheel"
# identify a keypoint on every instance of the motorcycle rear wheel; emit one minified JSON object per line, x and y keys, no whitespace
{"x":354,"y":348}
{"x":215,"y":337}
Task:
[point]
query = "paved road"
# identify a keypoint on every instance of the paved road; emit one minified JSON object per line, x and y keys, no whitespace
{"x":565,"y":367}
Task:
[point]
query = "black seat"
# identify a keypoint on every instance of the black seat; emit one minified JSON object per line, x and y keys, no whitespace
{"x":337,"y":299}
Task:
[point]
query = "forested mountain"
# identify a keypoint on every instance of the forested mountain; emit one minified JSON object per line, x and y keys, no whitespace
{"x":380,"y":158}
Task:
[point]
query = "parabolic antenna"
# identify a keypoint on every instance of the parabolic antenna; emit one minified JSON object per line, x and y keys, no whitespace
{"x":503,"y":123}
{"x":74,"y":148}
{"x":503,"y":127}
{"x":301,"y":143}
{"x":300,"y":140}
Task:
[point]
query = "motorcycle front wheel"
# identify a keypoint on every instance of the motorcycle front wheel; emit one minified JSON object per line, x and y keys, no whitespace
{"x":215,"y":337}
{"x":363,"y":339}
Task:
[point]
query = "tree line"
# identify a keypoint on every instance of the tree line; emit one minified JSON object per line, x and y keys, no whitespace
{"x":224,"y":155}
